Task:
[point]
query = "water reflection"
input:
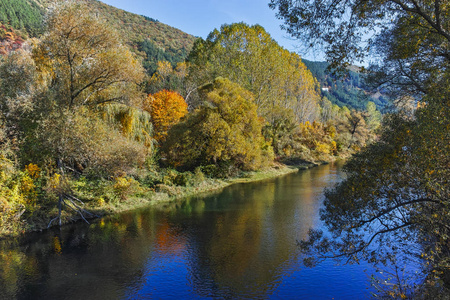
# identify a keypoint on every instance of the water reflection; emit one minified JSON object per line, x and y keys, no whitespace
{"x":240,"y":243}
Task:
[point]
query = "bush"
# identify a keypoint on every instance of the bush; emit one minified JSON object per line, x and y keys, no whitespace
{"x":225,"y":132}
{"x":124,"y":187}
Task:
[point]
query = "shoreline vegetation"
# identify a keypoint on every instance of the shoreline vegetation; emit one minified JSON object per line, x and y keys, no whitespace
{"x":95,"y":117}
{"x":86,"y":130}
{"x":146,"y":197}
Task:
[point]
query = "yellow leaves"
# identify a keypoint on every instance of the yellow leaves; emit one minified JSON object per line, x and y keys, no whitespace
{"x":33,"y":170}
{"x":56,"y":243}
{"x":124,"y":186}
{"x":26,"y":185}
{"x":166,"y":108}
{"x":248,"y":56}
{"x":333,"y":147}
{"x":54,"y":181}
{"x":322,"y":148}
{"x":225,"y":131}
{"x":86,"y":56}
{"x":164,"y":68}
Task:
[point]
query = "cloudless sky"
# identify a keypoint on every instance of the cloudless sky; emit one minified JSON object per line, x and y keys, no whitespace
{"x":200,"y":17}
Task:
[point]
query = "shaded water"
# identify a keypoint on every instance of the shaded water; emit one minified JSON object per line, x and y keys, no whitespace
{"x":239,"y":243}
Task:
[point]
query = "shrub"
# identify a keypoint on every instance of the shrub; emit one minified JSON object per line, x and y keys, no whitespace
{"x":225,"y":131}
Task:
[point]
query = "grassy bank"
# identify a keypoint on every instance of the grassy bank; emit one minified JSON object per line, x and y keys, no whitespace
{"x":165,"y":193}
{"x":138,"y":195}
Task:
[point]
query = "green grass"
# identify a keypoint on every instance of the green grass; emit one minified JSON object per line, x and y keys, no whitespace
{"x":145,"y":197}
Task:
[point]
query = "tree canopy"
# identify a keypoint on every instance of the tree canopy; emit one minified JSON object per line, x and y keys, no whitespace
{"x":411,"y":38}
{"x":166,"y":108}
{"x":224,"y":132}
{"x":394,"y":202}
{"x":248,"y":56}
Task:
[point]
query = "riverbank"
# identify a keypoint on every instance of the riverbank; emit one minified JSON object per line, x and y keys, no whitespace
{"x":143,"y":196}
{"x":167,"y":193}
{"x":156,"y":252}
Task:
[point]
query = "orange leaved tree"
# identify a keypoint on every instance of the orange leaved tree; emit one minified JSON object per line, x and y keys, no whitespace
{"x":166,"y":108}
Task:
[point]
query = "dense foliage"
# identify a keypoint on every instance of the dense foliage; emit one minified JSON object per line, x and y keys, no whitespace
{"x":166,"y":108}
{"x":286,"y":93}
{"x":224,"y":132}
{"x":394,"y":204}
{"x":24,"y":15}
{"x":248,"y":56}
{"x":82,"y":127}
{"x":55,"y":105}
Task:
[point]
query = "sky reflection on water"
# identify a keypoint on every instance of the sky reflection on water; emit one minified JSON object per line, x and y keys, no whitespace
{"x":239,"y":243}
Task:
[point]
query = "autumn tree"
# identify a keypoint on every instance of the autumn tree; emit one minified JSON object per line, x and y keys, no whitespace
{"x":396,"y":192}
{"x":85,"y":68}
{"x":89,"y":64}
{"x":248,"y":56}
{"x":166,"y":108}
{"x":18,"y":87}
{"x":411,"y":38}
{"x":355,"y":125}
{"x":394,"y":201}
{"x":225,"y":132}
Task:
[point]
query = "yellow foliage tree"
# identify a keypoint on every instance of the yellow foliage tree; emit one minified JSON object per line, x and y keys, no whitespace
{"x":166,"y":108}
{"x":224,"y":133}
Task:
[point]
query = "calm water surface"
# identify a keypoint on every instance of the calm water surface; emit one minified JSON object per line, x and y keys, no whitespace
{"x":239,"y":243}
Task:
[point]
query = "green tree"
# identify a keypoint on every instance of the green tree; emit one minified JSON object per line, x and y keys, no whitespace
{"x":373,"y":116}
{"x":23,"y":15}
{"x":224,"y":132}
{"x":248,"y":56}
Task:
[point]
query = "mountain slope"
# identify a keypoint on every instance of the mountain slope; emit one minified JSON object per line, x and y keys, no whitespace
{"x":157,"y":40}
{"x":23,"y":15}
{"x":148,"y":37}
{"x":350,"y":91}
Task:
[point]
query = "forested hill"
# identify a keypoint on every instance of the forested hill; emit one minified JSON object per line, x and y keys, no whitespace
{"x":23,"y":15}
{"x":350,"y":91}
{"x":152,"y":39}
{"x":155,"y":41}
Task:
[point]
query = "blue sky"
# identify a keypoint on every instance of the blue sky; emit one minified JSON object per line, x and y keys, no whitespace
{"x":200,"y":17}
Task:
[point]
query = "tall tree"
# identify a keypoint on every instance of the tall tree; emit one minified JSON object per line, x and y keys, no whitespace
{"x":248,"y":56}
{"x":89,"y":64}
{"x":411,"y":37}
{"x":86,"y":67}
{"x":394,"y":200}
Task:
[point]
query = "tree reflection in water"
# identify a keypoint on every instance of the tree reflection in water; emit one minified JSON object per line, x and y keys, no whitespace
{"x":240,"y":242}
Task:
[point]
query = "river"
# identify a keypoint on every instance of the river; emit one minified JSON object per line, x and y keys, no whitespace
{"x":237,"y":243}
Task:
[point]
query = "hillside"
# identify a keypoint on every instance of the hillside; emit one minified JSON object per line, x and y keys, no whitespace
{"x":156,"y":40}
{"x":350,"y":91}
{"x":23,"y":15}
{"x":148,"y":37}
